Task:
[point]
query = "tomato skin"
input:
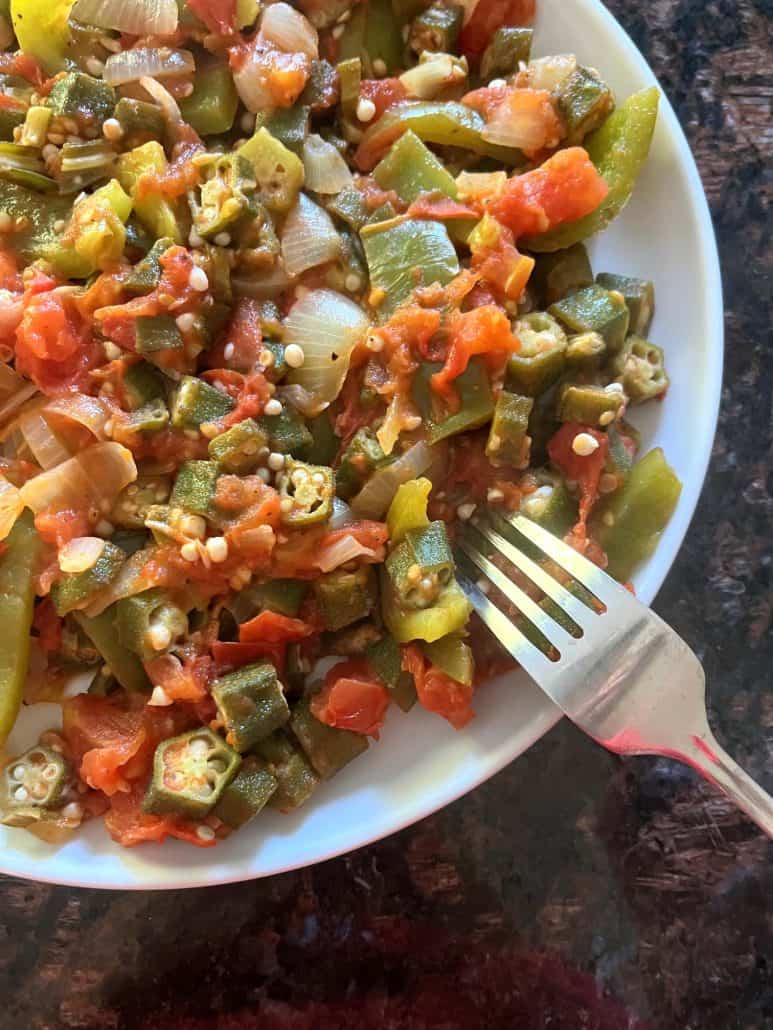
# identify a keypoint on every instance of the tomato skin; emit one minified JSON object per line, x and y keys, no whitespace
{"x":128,"y":825}
{"x":484,"y":330}
{"x":229,"y":654}
{"x":48,"y":624}
{"x":243,"y":336}
{"x":218,"y":15}
{"x":182,"y":681}
{"x":273,"y":628}
{"x":487,"y":17}
{"x":384,"y":93}
{"x":584,"y":469}
{"x":353,"y":698}
{"x":53,"y":345}
{"x":436,"y":691}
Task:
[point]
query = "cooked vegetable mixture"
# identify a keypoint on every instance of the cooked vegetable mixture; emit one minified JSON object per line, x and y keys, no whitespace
{"x":285,"y":292}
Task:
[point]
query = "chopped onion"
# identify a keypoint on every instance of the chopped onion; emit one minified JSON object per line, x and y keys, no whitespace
{"x":342,"y":515}
{"x":80,"y":554}
{"x":87,"y":411}
{"x":135,"y":17}
{"x":10,"y":313}
{"x":429,"y":78}
{"x":250,"y":79}
{"x":375,"y":497}
{"x":309,"y":237}
{"x":549,"y":72}
{"x":11,"y":507}
{"x":325,"y":169}
{"x":164,"y":99}
{"x":262,"y":286}
{"x":17,"y":399}
{"x":97,"y":474}
{"x":341,"y":551}
{"x":287,"y":29}
{"x":525,"y":119}
{"x":326,"y":326}
{"x":47,"y":450}
{"x":132,"y":65}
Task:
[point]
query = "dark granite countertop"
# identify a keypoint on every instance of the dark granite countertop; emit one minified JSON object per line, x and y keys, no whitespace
{"x":615,"y":894}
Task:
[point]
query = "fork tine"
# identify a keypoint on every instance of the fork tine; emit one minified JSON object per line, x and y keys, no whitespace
{"x":580,"y":612}
{"x":583,"y":570}
{"x":549,"y":628}
{"x":525,"y":653}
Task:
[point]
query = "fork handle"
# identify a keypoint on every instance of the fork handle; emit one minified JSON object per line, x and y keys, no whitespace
{"x":706,"y":756}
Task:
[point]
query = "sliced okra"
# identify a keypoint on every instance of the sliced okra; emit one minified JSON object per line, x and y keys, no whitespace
{"x":247,"y":793}
{"x":194,"y":488}
{"x":150,"y":623}
{"x":156,"y":333}
{"x":75,"y":590}
{"x":296,"y":780}
{"x":238,"y":449}
{"x":346,"y":597}
{"x":641,"y":369}
{"x":196,"y":402}
{"x":190,"y":772}
{"x":35,"y":780}
{"x":541,"y":359}
{"x":327,"y":748}
{"x":421,"y":566}
{"x":306,"y":493}
{"x":250,"y":704}
{"x":595,"y":310}
{"x":589,"y":405}
{"x":508,"y":440}
{"x":639,"y":295}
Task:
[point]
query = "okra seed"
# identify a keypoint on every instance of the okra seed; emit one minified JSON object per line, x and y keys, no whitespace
{"x":189,"y":551}
{"x":159,"y":637}
{"x":50,"y":772}
{"x":273,"y":407}
{"x":337,"y":32}
{"x":21,"y":794}
{"x":159,"y":698}
{"x":366,"y":109}
{"x":413,"y":575}
{"x":379,"y":68}
{"x":217,"y":548}
{"x":18,"y":772}
{"x":276,"y":461}
{"x":105,"y":528}
{"x":497,"y":84}
{"x":465,"y":511}
{"x":352,"y":282}
{"x":199,"y":747}
{"x":73,"y":812}
{"x":494,"y":495}
{"x":194,"y":239}
{"x":606,"y":417}
{"x":286,"y":505}
{"x":318,"y":479}
{"x":584,"y":444}
{"x":614,"y":388}
{"x":264,"y":474}
{"x":94,"y":66}
{"x":248,"y":122}
{"x":228,"y":351}
{"x":197,"y":279}
{"x":266,"y":357}
{"x":222,"y":239}
{"x":111,"y":130}
{"x":294,"y":355}
{"x":205,"y":833}
{"x":112,"y":351}
{"x":608,"y":518}
{"x":194,"y":526}
{"x":186,"y":322}
{"x":209,"y":429}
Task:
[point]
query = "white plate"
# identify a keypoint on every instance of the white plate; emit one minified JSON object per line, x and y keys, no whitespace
{"x":421,"y":764}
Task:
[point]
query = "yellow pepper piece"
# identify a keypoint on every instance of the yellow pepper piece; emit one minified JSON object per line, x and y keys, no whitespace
{"x":42,"y":30}
{"x":449,"y":614}
{"x":408,"y":509}
{"x":153,"y":210}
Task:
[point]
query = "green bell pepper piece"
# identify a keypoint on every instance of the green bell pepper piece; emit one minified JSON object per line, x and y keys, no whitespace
{"x":386,"y":660}
{"x":349,"y":206}
{"x":411,"y":169}
{"x":421,"y":566}
{"x":124,"y":664}
{"x":590,"y":405}
{"x":324,"y":446}
{"x":146,"y":274}
{"x":247,"y":794}
{"x":287,"y":431}
{"x":508,"y":442}
{"x":17,"y":595}
{"x":296,"y":780}
{"x":190,"y":773}
{"x":595,"y":310}
{"x":149,"y":623}
{"x":559,"y":274}
{"x":639,"y":295}
{"x":238,"y":449}
{"x":362,"y":456}
{"x":453,"y":657}
{"x":76,"y":590}
{"x":400,"y":250}
{"x":350,"y":77}
{"x":155,"y":211}
{"x":211,"y":107}
{"x":618,"y":149}
{"x":408,"y":509}
{"x":290,"y":125}
{"x":278,"y":171}
{"x":508,"y":47}
{"x":140,"y":122}
{"x":345,"y":597}
{"x":641,"y":369}
{"x":476,"y":400}
{"x":194,"y":488}
{"x":77,"y":95}
{"x":629,"y":523}
{"x":328,"y":749}
{"x":196,"y":403}
{"x":157,"y":333}
{"x":307,"y":493}
{"x":584,"y":102}
{"x":250,"y":704}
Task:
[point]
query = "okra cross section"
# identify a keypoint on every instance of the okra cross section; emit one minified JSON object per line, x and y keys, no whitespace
{"x":190,"y":772}
{"x":251,"y":704}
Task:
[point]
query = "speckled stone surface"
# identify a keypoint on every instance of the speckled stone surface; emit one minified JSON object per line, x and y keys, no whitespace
{"x":572,"y":890}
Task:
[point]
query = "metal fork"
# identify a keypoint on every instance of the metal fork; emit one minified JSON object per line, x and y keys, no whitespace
{"x":626,"y":679}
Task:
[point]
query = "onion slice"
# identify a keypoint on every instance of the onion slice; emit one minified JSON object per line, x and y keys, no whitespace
{"x":132,"y":65}
{"x":11,"y":507}
{"x":341,"y":551}
{"x":375,"y":497}
{"x":309,"y":237}
{"x":98,"y":473}
{"x":46,"y":448}
{"x":326,"y":326}
{"x":86,"y":411}
{"x":325,"y":170}
{"x":135,"y":17}
{"x":289,"y":30}
{"x":263,"y":286}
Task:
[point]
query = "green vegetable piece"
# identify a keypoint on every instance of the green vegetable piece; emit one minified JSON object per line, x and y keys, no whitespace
{"x":350,"y":77}
{"x":94,"y":237}
{"x":508,"y":47}
{"x":435,"y":29}
{"x":277,"y":369}
{"x":278,"y":595}
{"x":150,"y":418}
{"x":247,"y":794}
{"x":453,"y":657}
{"x":287,"y":432}
{"x":296,"y":780}
{"x":595,"y":310}
{"x":476,"y":400}
{"x":129,"y":540}
{"x":641,"y":369}
{"x":83,"y":164}
{"x":559,"y":274}
{"x":140,"y":122}
{"x":194,"y":488}
{"x":421,"y":566}
{"x":290,"y":125}
{"x":310,"y":488}
{"x":322,"y":90}
{"x":278,"y":171}
{"x":18,"y":202}
{"x":585,"y":352}
{"x":250,"y":704}
{"x":408,"y":509}
{"x":623,"y":446}
{"x":629,"y":523}
{"x":146,"y":274}
{"x":132,"y":504}
{"x":362,"y":456}
{"x":448,"y":615}
{"x":157,"y":333}
{"x":411,"y":169}
{"x":211,"y":107}
{"x":590,"y":405}
{"x":402,"y":255}
{"x":123,"y":664}
{"x":328,"y":749}
{"x":76,"y":590}
{"x":618,"y":149}
{"x":542,"y":356}
{"x":34,"y":781}
{"x":190,"y":773}
{"x":155,"y":211}
{"x":24,"y":166}
{"x":149,"y":623}
{"x":196,"y":402}
{"x":383,"y":42}
{"x":36,"y":123}
{"x":226,"y":195}
{"x":639,"y":295}
{"x":551,"y":505}
{"x":325,"y":443}
{"x":11,"y":117}
{"x":238,"y":449}
{"x":350,"y":207}
{"x":508,"y":442}
{"x":17,"y":595}
{"x":386,"y":660}
{"x":345,"y":597}
{"x":584,"y":102}
{"x":80,"y":96}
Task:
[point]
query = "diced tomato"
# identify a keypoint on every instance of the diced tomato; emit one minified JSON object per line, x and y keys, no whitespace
{"x":57,"y":527}
{"x":129,"y":825}
{"x":436,"y":691}
{"x":9,"y":272}
{"x":584,"y":469}
{"x":185,"y":680}
{"x":484,"y":330}
{"x":274,"y":628}
{"x":353,"y":698}
{"x":383,"y":93}
{"x":243,"y":338}
{"x":563,"y":189}
{"x":441,"y":209}
{"x":274,"y":72}
{"x":230,"y":654}
{"x":48,"y":624}
{"x":218,"y":15}
{"x":531,"y":113}
{"x":22,"y":64}
{"x":501,"y":265}
{"x":54,"y":346}
{"x":487,"y":17}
